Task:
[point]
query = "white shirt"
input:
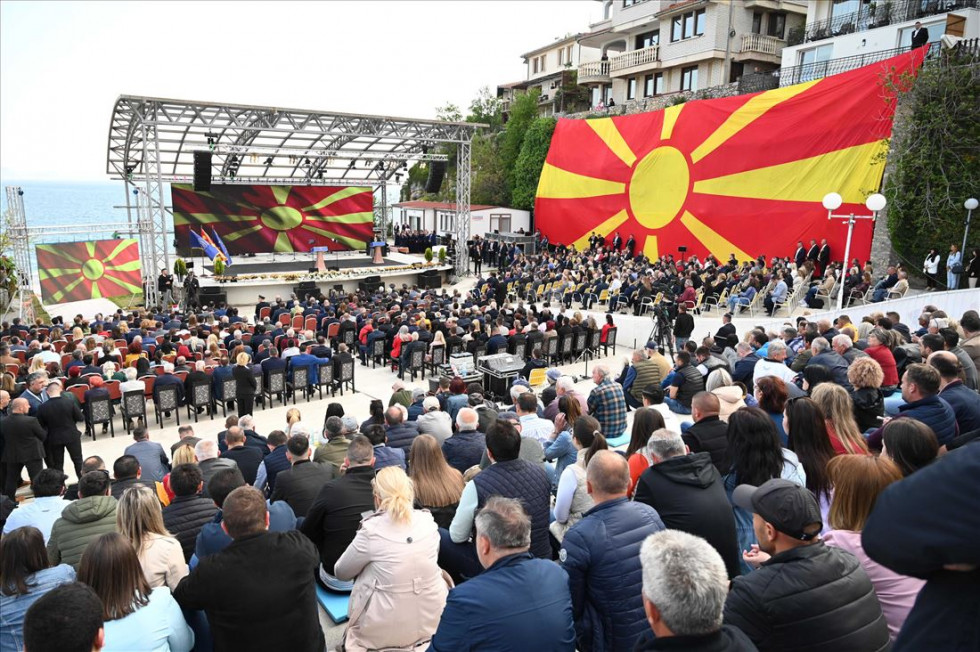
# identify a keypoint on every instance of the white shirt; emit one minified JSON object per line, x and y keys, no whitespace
{"x":41,"y":513}
{"x":535,"y":427}
{"x":767,"y":367}
{"x":671,"y":422}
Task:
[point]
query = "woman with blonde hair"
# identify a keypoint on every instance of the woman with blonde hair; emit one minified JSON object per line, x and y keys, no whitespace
{"x":439,"y":339}
{"x":37,"y":364}
{"x":438,"y":486}
{"x":858,"y":481}
{"x":140,"y":520}
{"x":183,"y":455}
{"x":730,"y":396}
{"x":293,"y":416}
{"x":835,"y":403}
{"x":866,"y":375}
{"x":399,"y":590}
{"x":245,"y":384}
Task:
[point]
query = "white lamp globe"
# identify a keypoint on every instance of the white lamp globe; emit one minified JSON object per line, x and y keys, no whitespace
{"x":970,"y":203}
{"x":875,"y":202}
{"x":832,"y":201}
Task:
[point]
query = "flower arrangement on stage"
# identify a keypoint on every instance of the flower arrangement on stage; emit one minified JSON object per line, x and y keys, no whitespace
{"x":329,"y":275}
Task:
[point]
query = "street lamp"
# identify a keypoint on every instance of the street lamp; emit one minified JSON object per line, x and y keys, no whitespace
{"x":969,"y":205}
{"x":832,"y":201}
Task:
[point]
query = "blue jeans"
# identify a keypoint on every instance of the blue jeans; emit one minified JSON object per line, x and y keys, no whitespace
{"x":665,"y":383}
{"x":458,"y":559}
{"x":675,"y":406}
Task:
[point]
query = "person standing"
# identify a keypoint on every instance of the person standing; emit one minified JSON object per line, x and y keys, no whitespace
{"x":823,"y":257}
{"x":973,"y":269}
{"x":58,"y":417}
{"x":191,"y":287}
{"x":954,"y":267}
{"x":683,"y":327}
{"x":245,"y":384}
{"x":920,"y":35}
{"x":165,"y":286}
{"x":930,"y":267}
{"x":23,"y":439}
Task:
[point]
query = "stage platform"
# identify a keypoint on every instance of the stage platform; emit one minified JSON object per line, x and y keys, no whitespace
{"x":243,"y":266}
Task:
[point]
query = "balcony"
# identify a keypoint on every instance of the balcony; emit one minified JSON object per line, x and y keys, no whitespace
{"x":628,"y":61}
{"x":758,"y":47}
{"x":594,"y":72}
{"x":876,"y":15}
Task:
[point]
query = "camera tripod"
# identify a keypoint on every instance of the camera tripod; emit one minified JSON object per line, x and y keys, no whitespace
{"x":661,"y":333}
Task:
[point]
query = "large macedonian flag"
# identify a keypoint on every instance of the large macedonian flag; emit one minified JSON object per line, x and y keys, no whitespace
{"x":263,"y":219}
{"x":740,"y":175}
{"x":75,"y":271}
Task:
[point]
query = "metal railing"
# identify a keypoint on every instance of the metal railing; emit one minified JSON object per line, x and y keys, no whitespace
{"x":634,"y":58}
{"x":593,"y":71}
{"x":878,"y":14}
{"x":762,"y":44}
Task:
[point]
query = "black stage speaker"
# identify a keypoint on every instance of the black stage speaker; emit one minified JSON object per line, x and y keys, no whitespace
{"x":430,"y":282}
{"x":202,"y":171}
{"x":307,"y":285}
{"x":437,"y":170}
{"x":209,"y":290}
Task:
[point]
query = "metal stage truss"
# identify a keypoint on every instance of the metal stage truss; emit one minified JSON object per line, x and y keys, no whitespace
{"x":152,"y":142}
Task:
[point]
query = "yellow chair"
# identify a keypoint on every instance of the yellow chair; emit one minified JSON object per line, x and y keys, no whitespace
{"x":538,"y":377}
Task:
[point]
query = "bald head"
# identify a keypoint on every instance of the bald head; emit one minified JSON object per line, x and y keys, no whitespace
{"x":20,"y":406}
{"x":947,"y":364}
{"x":706,"y":403}
{"x":607,"y":476}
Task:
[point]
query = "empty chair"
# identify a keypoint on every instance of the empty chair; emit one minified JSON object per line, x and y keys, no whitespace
{"x":325,"y":378}
{"x":167,"y":401}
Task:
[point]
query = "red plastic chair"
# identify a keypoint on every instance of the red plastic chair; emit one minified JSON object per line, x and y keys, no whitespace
{"x":79,"y":392}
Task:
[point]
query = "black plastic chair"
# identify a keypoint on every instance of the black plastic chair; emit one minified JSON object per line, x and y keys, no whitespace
{"x":416,"y":363}
{"x":200,"y":397}
{"x":276,"y":386}
{"x":228,"y":389}
{"x":378,"y":352}
{"x":167,"y":400}
{"x":610,"y":341}
{"x":325,"y":377}
{"x":99,"y":412}
{"x":438,"y":358}
{"x":301,"y":382}
{"x":133,"y":406}
{"x":346,"y":377}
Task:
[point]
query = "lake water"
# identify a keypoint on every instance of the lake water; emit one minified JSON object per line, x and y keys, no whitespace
{"x":53,"y":203}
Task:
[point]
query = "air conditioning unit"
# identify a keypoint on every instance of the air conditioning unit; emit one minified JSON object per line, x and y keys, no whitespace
{"x":543,"y":98}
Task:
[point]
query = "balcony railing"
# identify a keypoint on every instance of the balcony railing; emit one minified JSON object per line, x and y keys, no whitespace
{"x":762,"y":44}
{"x":634,"y":58}
{"x":594,"y":71}
{"x":876,"y":14}
{"x":818,"y":69}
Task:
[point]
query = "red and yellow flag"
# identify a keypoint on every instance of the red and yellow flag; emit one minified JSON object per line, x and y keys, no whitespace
{"x":75,"y":271}
{"x":740,"y":175}
{"x":263,"y":219}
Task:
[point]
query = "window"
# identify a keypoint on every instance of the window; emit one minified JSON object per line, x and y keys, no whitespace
{"x":688,"y":25}
{"x":561,"y":56}
{"x":816,"y":55}
{"x":936,"y":31}
{"x":844,"y":7}
{"x":500,"y":222}
{"x":630,"y":3}
{"x":631,"y":88}
{"x":653,"y":84}
{"x":543,"y":60}
{"x":446,"y":221}
{"x":777,"y":25}
{"x":756,"y":22}
{"x":647,"y":39}
{"x":689,"y":78}
{"x":534,"y":65}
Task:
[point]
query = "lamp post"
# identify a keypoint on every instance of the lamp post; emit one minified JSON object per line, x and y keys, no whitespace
{"x":832,"y":201}
{"x":969,"y":205}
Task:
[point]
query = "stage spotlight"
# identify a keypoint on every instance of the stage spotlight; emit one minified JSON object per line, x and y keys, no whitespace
{"x":307,"y":162}
{"x":319,"y":175}
{"x":268,"y":161}
{"x":20,"y":193}
{"x":350,"y":166}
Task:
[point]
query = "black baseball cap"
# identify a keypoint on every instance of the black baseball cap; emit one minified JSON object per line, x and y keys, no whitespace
{"x":785,"y":505}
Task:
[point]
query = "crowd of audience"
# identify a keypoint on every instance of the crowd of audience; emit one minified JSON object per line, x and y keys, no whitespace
{"x":813,"y":483}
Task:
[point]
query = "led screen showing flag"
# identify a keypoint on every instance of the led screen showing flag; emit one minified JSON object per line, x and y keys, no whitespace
{"x":263,"y":219}
{"x":75,"y":271}
{"x":739,"y":175}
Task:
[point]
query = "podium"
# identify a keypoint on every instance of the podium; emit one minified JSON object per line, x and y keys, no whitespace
{"x":377,"y":252}
{"x":319,"y":251}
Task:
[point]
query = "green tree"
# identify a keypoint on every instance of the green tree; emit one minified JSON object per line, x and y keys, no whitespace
{"x":527,"y":170}
{"x":935,"y":155}
{"x":523,"y":111}
{"x":486,"y":109}
{"x":490,"y":183}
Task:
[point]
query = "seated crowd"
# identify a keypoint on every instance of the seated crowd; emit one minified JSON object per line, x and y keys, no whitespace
{"x":814,"y":484}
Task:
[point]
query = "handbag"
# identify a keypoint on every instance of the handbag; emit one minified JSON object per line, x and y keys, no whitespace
{"x":957,"y":268}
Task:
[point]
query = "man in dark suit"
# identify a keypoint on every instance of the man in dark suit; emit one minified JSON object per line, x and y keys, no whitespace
{"x":340,"y":358}
{"x":259,"y":306}
{"x":248,"y":458}
{"x":58,"y":417}
{"x":233,"y":587}
{"x":800,"y":256}
{"x":823,"y":257}
{"x":920,"y":35}
{"x":300,"y":485}
{"x":126,"y":473}
{"x":167,"y":379}
{"x":23,"y":445}
{"x":196,"y":377}
{"x":813,"y":252}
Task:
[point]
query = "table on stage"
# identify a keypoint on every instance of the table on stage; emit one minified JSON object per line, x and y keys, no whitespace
{"x":319,"y":251}
{"x":377,"y":255}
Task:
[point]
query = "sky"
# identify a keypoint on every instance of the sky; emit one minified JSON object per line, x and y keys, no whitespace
{"x":63,"y":64}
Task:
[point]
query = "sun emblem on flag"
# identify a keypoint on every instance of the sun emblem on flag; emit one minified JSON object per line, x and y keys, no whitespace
{"x":75,"y":271}
{"x":277,"y":218}
{"x":739,"y":175}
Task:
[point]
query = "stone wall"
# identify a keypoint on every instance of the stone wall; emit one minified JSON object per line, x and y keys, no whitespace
{"x":657,"y":103}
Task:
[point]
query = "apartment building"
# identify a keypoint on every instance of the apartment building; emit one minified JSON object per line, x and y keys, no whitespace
{"x":656,"y":47}
{"x":548,"y":69}
{"x":841,"y":30}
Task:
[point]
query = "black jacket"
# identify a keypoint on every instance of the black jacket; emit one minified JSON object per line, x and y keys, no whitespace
{"x":335,"y":515}
{"x":727,"y":639}
{"x":709,"y":435}
{"x":258,"y":580}
{"x":248,"y":460}
{"x":119,"y":487}
{"x":185,"y":516}
{"x":688,"y":493}
{"x":813,"y":593}
{"x":934,"y":514}
{"x":245,"y":383}
{"x":58,"y":416}
{"x":300,"y":485}
{"x":23,"y":436}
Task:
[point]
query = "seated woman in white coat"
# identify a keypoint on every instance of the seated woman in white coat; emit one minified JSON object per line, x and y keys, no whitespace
{"x":399,"y":590}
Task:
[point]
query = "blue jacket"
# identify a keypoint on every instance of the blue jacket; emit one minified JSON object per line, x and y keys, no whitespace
{"x":213,"y":539}
{"x":464,"y":449}
{"x":402,"y":435}
{"x":935,"y":514}
{"x":388,"y":456}
{"x":935,"y":413}
{"x":310,"y":362}
{"x":601,"y":554}
{"x":519,"y":603}
{"x":965,"y":403}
